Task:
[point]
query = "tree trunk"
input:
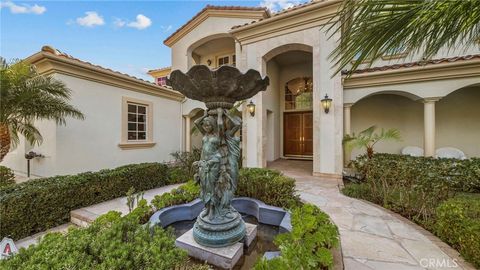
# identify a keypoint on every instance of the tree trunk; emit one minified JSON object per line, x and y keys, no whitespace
{"x":369,"y":152}
{"x":4,"y":141}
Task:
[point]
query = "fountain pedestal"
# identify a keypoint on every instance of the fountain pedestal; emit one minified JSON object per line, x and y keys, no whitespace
{"x":224,"y":257}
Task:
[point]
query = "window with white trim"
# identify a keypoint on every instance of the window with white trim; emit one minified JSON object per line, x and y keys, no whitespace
{"x":223,"y":60}
{"x":137,"y":122}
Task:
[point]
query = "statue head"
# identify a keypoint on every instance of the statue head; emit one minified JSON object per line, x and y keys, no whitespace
{"x":209,"y":124}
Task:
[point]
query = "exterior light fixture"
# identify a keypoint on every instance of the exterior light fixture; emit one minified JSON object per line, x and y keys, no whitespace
{"x":326,"y":103}
{"x":251,"y":108}
{"x":209,"y":62}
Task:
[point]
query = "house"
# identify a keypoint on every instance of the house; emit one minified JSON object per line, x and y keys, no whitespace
{"x":127,"y":120}
{"x":433,"y":103}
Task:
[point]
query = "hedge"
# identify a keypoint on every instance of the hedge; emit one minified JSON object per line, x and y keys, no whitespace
{"x":7,"y":177}
{"x":414,"y":186}
{"x":458,"y":224}
{"x":40,"y":204}
{"x":268,"y":186}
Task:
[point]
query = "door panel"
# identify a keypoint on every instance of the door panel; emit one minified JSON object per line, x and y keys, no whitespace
{"x":298,"y":134}
{"x":292,"y":134}
{"x":307,"y":134}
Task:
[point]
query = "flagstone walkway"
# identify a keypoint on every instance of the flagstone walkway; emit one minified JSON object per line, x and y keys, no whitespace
{"x":371,"y":236}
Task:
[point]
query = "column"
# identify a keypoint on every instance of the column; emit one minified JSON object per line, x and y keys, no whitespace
{"x":347,"y":129}
{"x":429,"y":126}
{"x":188,"y":136}
{"x":328,"y":127}
{"x":346,"y":119}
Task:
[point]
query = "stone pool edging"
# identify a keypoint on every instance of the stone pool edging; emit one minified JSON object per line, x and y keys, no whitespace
{"x":265,"y":214}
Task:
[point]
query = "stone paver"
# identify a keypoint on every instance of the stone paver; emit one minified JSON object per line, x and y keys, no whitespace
{"x":371,"y":237}
{"x":33,"y":239}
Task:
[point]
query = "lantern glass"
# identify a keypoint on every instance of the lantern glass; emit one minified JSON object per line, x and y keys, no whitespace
{"x":326,"y":103}
{"x":251,"y":108}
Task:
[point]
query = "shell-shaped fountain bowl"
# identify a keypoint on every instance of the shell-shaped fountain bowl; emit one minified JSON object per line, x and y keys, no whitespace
{"x":219,"y":88}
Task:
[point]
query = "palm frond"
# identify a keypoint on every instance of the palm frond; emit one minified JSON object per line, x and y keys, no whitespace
{"x":371,"y":28}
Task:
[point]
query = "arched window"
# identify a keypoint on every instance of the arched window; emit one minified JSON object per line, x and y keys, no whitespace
{"x":299,"y":94}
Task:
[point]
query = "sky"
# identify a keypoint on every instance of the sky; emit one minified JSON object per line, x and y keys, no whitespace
{"x":126,"y":36}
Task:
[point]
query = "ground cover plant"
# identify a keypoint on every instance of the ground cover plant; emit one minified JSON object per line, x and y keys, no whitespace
{"x":308,"y":245}
{"x":430,"y":192}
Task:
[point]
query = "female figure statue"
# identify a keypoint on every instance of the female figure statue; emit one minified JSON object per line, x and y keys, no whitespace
{"x":209,"y":164}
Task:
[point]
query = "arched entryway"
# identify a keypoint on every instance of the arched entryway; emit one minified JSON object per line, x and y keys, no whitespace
{"x":289,"y":102}
{"x":391,"y":109}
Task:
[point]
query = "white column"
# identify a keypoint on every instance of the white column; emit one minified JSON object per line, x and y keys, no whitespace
{"x":328,"y":127}
{"x":429,"y":126}
{"x":346,"y":118}
{"x":347,"y":129}
{"x":188,"y":135}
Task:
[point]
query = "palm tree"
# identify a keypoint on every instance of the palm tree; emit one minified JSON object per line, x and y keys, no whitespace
{"x":367,"y":139}
{"x":26,"y":97}
{"x":371,"y":28}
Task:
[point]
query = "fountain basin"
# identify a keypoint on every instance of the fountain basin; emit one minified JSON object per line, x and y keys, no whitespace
{"x":224,"y":257}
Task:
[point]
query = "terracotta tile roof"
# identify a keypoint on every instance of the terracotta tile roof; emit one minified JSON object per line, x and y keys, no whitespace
{"x":56,"y":52}
{"x":415,"y":64}
{"x":211,"y":7}
{"x":283,"y":11}
{"x":159,"y":69}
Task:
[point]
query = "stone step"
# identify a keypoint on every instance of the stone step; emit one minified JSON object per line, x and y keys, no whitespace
{"x":82,"y":217}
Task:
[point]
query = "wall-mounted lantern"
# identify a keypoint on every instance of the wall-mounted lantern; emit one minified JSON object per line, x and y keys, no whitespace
{"x":326,"y":103}
{"x":209,"y":62}
{"x":251,"y":108}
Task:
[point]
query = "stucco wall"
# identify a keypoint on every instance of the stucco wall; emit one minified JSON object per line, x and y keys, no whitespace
{"x":92,"y":144}
{"x":38,"y":166}
{"x":389,"y":111}
{"x":273,"y":113}
{"x":458,"y":121}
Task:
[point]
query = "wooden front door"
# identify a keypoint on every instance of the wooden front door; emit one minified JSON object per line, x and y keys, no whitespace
{"x":298,"y":134}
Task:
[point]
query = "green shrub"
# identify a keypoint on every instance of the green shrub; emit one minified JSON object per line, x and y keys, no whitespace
{"x":37,"y":205}
{"x":309,"y":244}
{"x":183,"y":194}
{"x":268,"y":186}
{"x":111,"y":242}
{"x":414,"y":186}
{"x":361,"y":191}
{"x":458,"y":224}
{"x":183,"y":169}
{"x":7,"y":177}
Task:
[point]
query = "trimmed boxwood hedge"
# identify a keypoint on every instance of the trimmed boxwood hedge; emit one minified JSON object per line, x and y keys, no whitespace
{"x":458,"y":224}
{"x":40,"y":204}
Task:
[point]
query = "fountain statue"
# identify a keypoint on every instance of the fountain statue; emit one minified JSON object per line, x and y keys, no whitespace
{"x":219,"y":224}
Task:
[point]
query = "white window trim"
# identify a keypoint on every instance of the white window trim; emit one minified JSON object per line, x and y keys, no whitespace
{"x":125,"y":143}
{"x":224,"y":56}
